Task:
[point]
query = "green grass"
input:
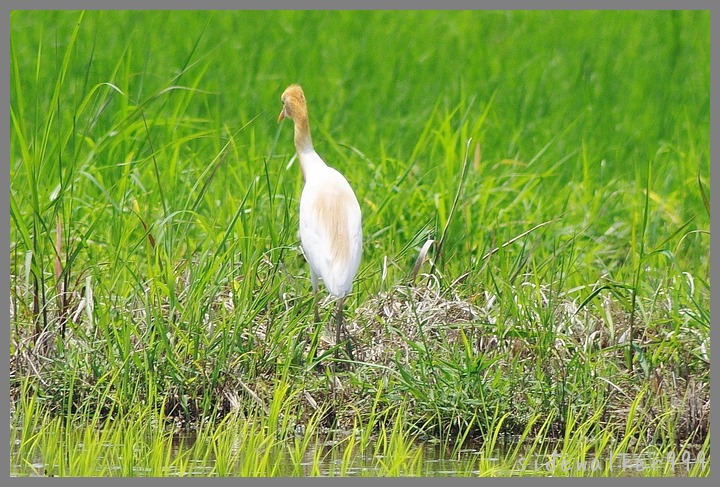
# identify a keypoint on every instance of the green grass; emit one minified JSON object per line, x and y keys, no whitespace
{"x":558,"y":160}
{"x":252,"y":443}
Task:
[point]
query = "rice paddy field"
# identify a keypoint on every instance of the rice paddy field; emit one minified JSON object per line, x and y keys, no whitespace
{"x":533,"y":297}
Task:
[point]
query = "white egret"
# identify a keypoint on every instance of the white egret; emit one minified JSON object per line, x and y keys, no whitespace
{"x":330,"y":217}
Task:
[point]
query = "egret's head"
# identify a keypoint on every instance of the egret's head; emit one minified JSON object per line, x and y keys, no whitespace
{"x":294,"y":105}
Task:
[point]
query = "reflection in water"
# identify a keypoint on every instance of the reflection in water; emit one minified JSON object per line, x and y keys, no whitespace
{"x":330,"y":458}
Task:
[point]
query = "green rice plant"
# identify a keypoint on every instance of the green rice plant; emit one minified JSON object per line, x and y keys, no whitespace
{"x":240,"y":445}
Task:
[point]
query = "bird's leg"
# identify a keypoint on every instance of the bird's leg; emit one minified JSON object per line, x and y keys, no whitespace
{"x":315,"y":288}
{"x":315,"y":305}
{"x":340,"y":324}
{"x":338,"y":320}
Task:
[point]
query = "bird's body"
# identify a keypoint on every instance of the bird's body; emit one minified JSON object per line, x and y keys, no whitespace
{"x":330,"y":216}
{"x":330,"y":231}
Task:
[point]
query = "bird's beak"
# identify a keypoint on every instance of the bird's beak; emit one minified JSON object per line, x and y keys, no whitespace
{"x":282,"y":115}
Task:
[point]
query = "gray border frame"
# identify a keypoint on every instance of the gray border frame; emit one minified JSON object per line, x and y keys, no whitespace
{"x":5,"y":9}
